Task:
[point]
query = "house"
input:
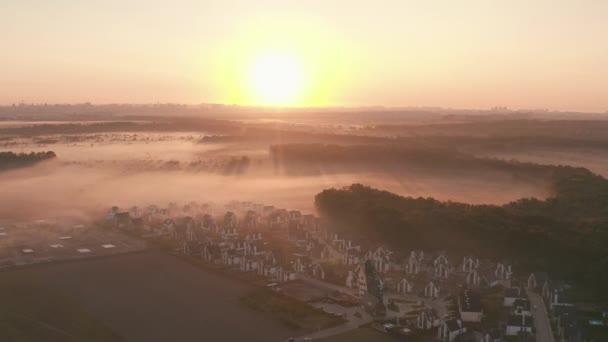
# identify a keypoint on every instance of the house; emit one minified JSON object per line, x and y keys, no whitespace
{"x":440,"y":260}
{"x":321,"y":252}
{"x":254,"y":236}
{"x":135,"y":212}
{"x":317,"y":272}
{"x":249,"y":263}
{"x":266,"y":269}
{"x":357,"y":279}
{"x":123,"y":221}
{"x":469,"y":305}
{"x":511,"y":295}
{"x":301,"y":264}
{"x":212,"y":253}
{"x":351,"y":257}
{"x":503,"y":271}
{"x":192,"y":248}
{"x":191,"y":230}
{"x":412,"y":267}
{"x":404,"y":287}
{"x":469,"y":264}
{"x":168,"y":226}
{"x":231,"y":257}
{"x":431,"y":290}
{"x":493,"y":336}
{"x":521,"y":307}
{"x":559,"y":296}
{"x":537,"y":281}
{"x":284,"y":273}
{"x":138,"y":223}
{"x":254,"y":248}
{"x":473,"y":278}
{"x":380,"y":258}
{"x":230,"y":220}
{"x":426,"y":320}
{"x":518,"y":325}
{"x":450,"y":329}
{"x":441,"y":270}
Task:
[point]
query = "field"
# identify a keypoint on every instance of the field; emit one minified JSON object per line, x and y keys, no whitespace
{"x":142,"y":297}
{"x":361,"y":335}
{"x":32,"y":311}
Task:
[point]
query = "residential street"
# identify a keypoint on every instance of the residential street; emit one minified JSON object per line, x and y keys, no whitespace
{"x":541,"y":318}
{"x":353,"y":321}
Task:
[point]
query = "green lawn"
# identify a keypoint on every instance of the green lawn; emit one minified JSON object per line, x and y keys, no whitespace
{"x":292,"y":313}
{"x":30,"y":311}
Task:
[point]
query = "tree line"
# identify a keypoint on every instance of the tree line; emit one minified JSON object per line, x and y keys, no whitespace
{"x":565,"y":234}
{"x":9,"y":160}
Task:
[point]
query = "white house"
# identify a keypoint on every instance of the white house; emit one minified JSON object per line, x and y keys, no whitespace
{"x":450,"y":329}
{"x":469,"y":264}
{"x":441,"y":271}
{"x":469,"y":306}
{"x":318,"y":272}
{"x":517,"y":325}
{"x":404,"y":287}
{"x":431,"y":290}
{"x":426,"y":320}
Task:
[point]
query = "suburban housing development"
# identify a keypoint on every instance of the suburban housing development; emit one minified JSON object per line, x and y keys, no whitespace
{"x":425,"y":293}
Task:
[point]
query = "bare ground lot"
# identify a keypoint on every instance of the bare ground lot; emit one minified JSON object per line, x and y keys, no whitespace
{"x":365,"y":334}
{"x":152,"y":296}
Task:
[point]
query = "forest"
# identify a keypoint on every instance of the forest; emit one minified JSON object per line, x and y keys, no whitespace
{"x":11,"y":160}
{"x":565,"y":235}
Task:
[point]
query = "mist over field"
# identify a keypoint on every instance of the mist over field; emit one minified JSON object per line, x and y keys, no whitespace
{"x":94,"y":172}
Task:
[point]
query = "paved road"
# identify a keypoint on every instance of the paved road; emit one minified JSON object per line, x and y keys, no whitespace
{"x":353,"y":321}
{"x":541,"y":318}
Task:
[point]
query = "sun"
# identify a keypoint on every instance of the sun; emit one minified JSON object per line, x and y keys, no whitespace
{"x":276,"y":79}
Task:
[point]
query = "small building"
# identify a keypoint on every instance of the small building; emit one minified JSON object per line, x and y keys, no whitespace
{"x":511,"y":295}
{"x":431,"y":290}
{"x":426,"y":320}
{"x":450,"y":330}
{"x":538,"y":280}
{"x":469,"y":306}
{"x":518,"y":325}
{"x":317,"y":271}
{"x":521,"y":307}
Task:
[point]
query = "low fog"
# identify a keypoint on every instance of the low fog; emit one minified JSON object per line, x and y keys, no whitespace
{"x":97,"y":172}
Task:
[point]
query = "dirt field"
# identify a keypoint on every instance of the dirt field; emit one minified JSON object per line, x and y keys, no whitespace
{"x":155,"y":297}
{"x":361,"y":335}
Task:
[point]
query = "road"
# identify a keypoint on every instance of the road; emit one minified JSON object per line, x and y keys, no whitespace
{"x":541,"y":318}
{"x":353,"y":322}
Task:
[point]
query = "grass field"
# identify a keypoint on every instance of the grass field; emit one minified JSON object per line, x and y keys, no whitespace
{"x":294,"y":314}
{"x":148,"y":296}
{"x":31,"y":311}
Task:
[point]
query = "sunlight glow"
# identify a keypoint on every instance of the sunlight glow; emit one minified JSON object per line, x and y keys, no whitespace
{"x":276,"y":79}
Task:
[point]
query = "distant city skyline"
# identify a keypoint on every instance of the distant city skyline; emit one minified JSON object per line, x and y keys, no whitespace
{"x":394,"y":53}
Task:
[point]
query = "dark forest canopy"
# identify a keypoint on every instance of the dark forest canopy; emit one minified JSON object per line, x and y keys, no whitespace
{"x":10,"y":160}
{"x":417,"y":156}
{"x":565,"y":235}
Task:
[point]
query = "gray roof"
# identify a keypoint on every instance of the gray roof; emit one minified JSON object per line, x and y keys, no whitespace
{"x":470,"y":301}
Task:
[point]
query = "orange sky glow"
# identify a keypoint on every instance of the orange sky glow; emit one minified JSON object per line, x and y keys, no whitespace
{"x":465,"y":54}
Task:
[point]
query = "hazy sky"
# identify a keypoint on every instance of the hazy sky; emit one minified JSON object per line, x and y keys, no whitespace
{"x":476,"y":54}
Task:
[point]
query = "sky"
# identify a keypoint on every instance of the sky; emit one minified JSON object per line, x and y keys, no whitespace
{"x":533,"y":54}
